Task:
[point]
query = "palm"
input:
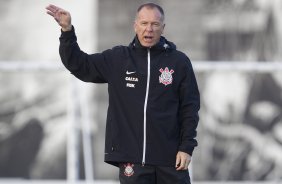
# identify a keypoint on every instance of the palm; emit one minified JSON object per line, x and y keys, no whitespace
{"x":62,"y":16}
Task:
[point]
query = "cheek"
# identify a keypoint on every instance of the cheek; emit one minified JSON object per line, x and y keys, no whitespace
{"x":159,"y":32}
{"x":137,"y":29}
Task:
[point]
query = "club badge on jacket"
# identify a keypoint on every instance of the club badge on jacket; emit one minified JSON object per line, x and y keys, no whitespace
{"x":166,"y":76}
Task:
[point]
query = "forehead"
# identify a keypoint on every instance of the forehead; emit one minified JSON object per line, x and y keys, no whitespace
{"x":149,"y":14}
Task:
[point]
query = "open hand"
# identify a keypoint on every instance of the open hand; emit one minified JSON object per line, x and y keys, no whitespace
{"x":62,"y":16}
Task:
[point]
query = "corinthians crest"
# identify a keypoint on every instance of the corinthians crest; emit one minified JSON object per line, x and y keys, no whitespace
{"x":128,"y":169}
{"x":166,"y":76}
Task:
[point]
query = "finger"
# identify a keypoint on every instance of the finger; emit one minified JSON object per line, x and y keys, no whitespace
{"x":54,"y":10}
{"x":53,"y":7}
{"x":177,"y":163}
{"x":181,"y":164}
{"x":186,"y":164}
{"x":50,"y":13}
{"x":181,"y":167}
{"x":55,"y":15}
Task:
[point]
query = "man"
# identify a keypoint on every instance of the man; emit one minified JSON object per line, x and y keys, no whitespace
{"x":153,"y":98}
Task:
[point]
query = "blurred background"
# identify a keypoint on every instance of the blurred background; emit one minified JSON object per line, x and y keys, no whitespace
{"x":52,"y":126}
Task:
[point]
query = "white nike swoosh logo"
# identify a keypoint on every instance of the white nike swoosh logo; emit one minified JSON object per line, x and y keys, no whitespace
{"x":128,"y":73}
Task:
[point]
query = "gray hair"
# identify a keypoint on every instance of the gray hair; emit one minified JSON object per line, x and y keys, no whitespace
{"x":152,"y":6}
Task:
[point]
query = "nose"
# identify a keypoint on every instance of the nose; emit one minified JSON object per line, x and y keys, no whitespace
{"x":149,"y":27}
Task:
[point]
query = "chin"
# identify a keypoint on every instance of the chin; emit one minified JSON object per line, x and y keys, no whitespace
{"x":148,"y":45}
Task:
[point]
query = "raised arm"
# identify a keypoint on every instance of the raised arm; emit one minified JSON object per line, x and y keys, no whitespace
{"x":62,"y":17}
{"x":88,"y":68}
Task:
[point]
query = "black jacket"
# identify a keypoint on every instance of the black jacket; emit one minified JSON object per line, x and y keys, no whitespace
{"x":153,"y":98}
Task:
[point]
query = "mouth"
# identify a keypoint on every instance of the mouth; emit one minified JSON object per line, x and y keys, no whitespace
{"x":148,"y":38}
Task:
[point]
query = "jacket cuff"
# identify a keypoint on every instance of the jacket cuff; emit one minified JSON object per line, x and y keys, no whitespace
{"x":65,"y":34}
{"x":186,"y":149}
{"x":68,"y":37}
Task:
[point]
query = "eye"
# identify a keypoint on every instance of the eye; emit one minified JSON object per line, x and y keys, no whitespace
{"x":156,"y":24}
{"x":143,"y":23}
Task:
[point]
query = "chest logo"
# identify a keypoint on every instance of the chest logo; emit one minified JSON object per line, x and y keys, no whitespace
{"x":166,"y":76}
{"x":128,"y":73}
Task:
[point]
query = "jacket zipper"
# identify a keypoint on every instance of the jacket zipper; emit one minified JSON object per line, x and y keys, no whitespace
{"x":145,"y":106}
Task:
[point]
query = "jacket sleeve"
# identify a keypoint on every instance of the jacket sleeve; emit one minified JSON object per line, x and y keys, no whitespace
{"x":189,"y":107}
{"x":88,"y":68}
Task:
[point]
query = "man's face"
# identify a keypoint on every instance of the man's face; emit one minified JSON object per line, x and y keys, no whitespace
{"x":149,"y":26}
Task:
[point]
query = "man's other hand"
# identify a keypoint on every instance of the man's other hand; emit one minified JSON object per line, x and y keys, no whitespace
{"x":182,"y":161}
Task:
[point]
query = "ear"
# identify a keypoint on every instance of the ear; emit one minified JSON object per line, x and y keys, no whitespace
{"x":163,"y":28}
{"x":134,"y":26}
